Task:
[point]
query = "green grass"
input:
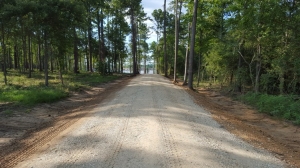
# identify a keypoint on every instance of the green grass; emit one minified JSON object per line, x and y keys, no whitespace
{"x":8,"y":112}
{"x":286,"y":107}
{"x":32,"y":95}
{"x":31,"y":91}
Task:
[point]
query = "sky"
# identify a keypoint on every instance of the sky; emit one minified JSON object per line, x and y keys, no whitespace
{"x":149,"y":6}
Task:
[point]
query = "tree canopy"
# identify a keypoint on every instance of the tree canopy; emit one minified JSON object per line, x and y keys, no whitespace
{"x":245,"y":45}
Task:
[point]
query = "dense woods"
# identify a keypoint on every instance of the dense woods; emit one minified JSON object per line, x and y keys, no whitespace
{"x":69,"y":35}
{"x":245,"y":46}
{"x":249,"y":45}
{"x":240,"y":46}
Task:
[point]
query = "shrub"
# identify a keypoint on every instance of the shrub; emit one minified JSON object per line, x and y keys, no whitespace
{"x":286,"y":107}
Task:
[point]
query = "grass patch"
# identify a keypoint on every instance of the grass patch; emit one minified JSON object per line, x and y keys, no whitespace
{"x":286,"y":107}
{"x":8,"y":112}
{"x":76,"y":82}
{"x":32,"y":95}
{"x":30,"y":91}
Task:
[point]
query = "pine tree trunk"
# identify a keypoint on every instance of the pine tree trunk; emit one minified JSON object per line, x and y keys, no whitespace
{"x":176,"y":39}
{"x":90,"y":40}
{"x":165,"y":40}
{"x":16,"y":59}
{"x":258,"y":68}
{"x":24,"y":53}
{"x":40,"y":55}
{"x":87,"y":55}
{"x":76,"y":55}
{"x":191,"y":59}
{"x":186,"y":57}
{"x":99,"y":37}
{"x":46,"y":58}
{"x":102,"y":57}
{"x":29,"y":56}
{"x":133,"y":41}
{"x":4,"y":55}
{"x":145,"y":66}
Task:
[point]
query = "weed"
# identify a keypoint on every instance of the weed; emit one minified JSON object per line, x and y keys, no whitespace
{"x":286,"y":107}
{"x":8,"y":112}
{"x":30,"y":91}
{"x":28,"y":111}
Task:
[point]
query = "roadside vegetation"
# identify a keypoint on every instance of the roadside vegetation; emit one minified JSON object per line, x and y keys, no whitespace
{"x":246,"y":48}
{"x":282,"y":106}
{"x":31,"y":91}
{"x":242,"y":46}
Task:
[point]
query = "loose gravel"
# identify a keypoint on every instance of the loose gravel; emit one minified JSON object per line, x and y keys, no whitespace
{"x":149,"y":123}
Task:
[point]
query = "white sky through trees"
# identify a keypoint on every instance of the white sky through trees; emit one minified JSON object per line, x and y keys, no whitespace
{"x":149,"y":7}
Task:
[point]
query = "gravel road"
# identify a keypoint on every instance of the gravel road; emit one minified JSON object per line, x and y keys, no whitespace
{"x":149,"y":123}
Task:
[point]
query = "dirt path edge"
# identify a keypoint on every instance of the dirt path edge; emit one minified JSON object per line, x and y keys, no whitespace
{"x":278,"y":137}
{"x":22,"y":147}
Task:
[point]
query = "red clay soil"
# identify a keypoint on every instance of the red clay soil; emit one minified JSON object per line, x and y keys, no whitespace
{"x":277,"y":136}
{"x":26,"y":130}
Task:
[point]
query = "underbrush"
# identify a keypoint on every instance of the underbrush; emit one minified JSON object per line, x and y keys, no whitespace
{"x":30,"y":91}
{"x":287,"y":107}
{"x":32,"y":95}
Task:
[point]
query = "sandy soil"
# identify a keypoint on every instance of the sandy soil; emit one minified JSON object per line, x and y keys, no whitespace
{"x":279,"y":137}
{"x":148,"y":123}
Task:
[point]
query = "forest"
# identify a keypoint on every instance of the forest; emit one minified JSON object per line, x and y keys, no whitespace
{"x":250,"y":47}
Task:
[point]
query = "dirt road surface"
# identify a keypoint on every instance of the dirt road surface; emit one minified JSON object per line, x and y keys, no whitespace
{"x":149,"y":123}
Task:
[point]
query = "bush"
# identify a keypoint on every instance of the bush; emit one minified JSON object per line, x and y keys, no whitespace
{"x":286,"y":107}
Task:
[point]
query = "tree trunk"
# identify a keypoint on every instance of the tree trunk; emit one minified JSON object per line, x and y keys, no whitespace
{"x":24,"y":53}
{"x":4,"y":55}
{"x":29,"y":56}
{"x":87,"y":55}
{"x":191,"y":59}
{"x":80,"y":63}
{"x":50,"y":51}
{"x":157,"y":54}
{"x":199,"y":70}
{"x":176,"y":39}
{"x":16,"y":59}
{"x":145,"y":66}
{"x":76,"y":54}
{"x":99,"y":37}
{"x":40,"y":55}
{"x":90,"y":39}
{"x":60,"y":64}
{"x":258,"y":67}
{"x":10,"y":59}
{"x":133,"y":41}
{"x":165,"y":41}
{"x":138,"y":49}
{"x":281,"y":82}
{"x":115,"y":55}
{"x":122,"y":65}
{"x":102,"y":56}
{"x":102,"y":37}
{"x":186,"y":57}
{"x":46,"y":58}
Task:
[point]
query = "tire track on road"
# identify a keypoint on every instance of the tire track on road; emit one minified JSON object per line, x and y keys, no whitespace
{"x":35,"y":139}
{"x":73,"y":156}
{"x":192,"y":117}
{"x":12,"y":159}
{"x":117,"y":145}
{"x":168,"y":139}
